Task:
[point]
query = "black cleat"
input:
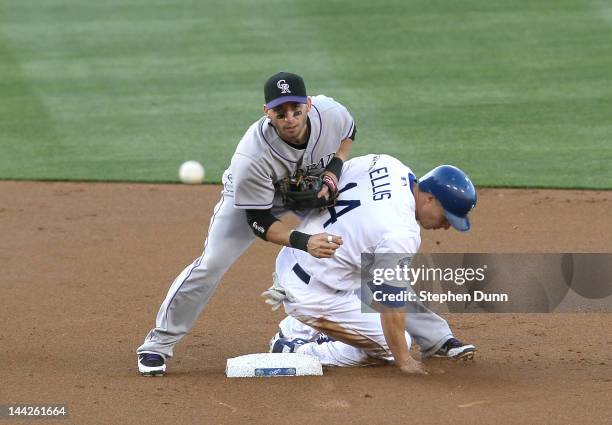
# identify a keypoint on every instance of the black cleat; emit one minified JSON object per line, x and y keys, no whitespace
{"x":455,"y":349}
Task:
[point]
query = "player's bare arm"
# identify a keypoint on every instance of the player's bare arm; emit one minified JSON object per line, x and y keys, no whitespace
{"x":345,"y":149}
{"x":393,"y":324}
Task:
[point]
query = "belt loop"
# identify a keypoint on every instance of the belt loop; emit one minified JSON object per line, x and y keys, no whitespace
{"x":301,"y":273}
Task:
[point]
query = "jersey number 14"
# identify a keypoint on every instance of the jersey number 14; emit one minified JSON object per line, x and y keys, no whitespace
{"x":348,"y":204}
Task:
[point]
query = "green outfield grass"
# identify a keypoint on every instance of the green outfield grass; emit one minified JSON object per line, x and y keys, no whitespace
{"x":518,"y":93}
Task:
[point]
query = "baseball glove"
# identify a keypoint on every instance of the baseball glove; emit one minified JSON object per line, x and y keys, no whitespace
{"x":300,"y":193}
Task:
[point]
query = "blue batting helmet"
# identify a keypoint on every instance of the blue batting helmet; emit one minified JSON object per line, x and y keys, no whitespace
{"x":454,"y":190}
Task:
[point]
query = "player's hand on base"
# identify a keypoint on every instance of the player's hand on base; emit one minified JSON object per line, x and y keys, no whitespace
{"x":323,"y":245}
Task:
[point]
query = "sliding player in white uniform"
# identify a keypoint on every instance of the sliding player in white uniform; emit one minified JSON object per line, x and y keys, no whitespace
{"x":379,"y":211}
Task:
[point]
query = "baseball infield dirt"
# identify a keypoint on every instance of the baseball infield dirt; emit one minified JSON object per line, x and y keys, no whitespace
{"x":86,"y":266}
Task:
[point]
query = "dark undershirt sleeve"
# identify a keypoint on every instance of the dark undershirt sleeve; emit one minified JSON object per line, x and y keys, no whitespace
{"x":260,"y":221}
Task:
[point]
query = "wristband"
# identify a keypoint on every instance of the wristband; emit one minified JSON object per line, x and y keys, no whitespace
{"x":299,"y":240}
{"x":330,"y":183}
{"x":335,"y":167}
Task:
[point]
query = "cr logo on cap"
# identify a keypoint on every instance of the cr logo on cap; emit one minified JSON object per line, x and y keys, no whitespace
{"x":283,"y":86}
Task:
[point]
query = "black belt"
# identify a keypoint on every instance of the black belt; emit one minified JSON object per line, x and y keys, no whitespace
{"x":301,"y":273}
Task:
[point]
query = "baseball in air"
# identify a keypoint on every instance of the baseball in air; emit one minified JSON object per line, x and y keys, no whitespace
{"x":191,"y":172}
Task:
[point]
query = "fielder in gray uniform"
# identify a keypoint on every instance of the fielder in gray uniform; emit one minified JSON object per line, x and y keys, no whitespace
{"x":298,"y":133}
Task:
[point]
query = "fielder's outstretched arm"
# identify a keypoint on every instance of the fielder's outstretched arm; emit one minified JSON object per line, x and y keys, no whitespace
{"x":269,"y":228}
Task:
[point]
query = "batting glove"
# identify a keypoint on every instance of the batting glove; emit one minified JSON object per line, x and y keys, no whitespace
{"x":276,"y":294}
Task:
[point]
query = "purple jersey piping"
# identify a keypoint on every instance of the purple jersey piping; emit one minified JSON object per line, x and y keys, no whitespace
{"x":195,"y":264}
{"x":319,"y":136}
{"x":268,"y":143}
{"x":271,"y":204}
